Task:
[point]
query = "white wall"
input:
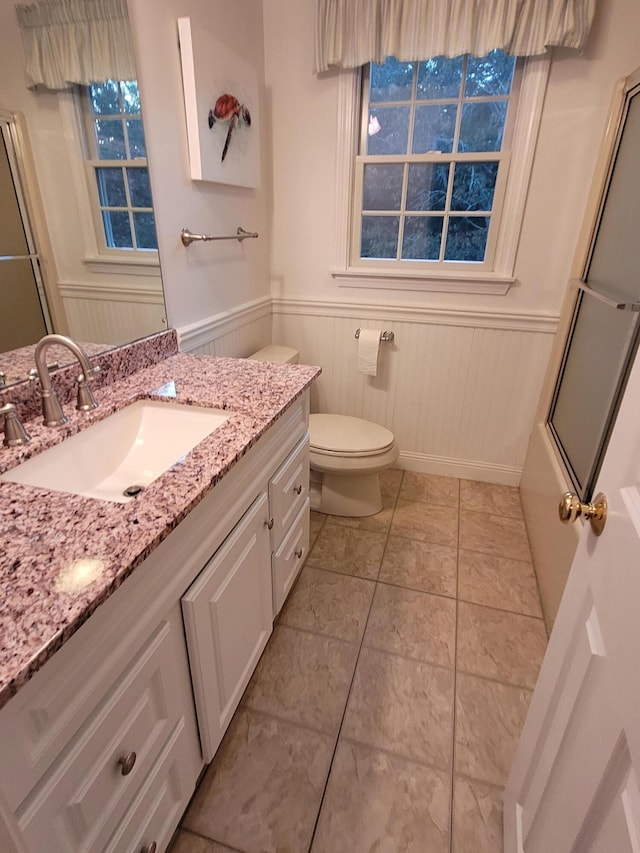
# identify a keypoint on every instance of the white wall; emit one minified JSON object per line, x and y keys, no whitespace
{"x":304,"y":127}
{"x":206,"y":279}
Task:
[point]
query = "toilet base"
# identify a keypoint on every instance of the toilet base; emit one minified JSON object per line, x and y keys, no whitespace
{"x":347,"y":495}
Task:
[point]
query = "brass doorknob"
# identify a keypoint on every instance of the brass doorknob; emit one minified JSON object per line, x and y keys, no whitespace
{"x":571,"y":508}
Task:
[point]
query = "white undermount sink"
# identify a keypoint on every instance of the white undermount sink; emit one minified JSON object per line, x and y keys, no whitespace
{"x":117,"y":457}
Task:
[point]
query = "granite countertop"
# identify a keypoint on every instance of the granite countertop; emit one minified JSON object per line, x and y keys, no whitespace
{"x":62,"y":555}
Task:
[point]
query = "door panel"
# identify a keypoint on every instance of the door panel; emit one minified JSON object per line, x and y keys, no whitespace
{"x":573,"y":787}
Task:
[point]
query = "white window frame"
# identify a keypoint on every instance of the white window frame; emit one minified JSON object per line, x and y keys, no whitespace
{"x":462,"y":278}
{"x":97,"y":257}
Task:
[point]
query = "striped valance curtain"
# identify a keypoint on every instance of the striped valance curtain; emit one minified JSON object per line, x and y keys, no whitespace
{"x":76,"y":41}
{"x":350,"y":33}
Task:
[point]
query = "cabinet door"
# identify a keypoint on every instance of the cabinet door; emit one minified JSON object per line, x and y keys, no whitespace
{"x":228,"y":620}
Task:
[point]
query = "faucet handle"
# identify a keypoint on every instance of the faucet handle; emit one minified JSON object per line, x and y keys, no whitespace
{"x":14,"y":433}
{"x":86,"y":400}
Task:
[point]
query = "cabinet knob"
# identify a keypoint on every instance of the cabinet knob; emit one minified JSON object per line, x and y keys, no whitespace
{"x":126,"y":763}
{"x":298,"y":489}
{"x":149,"y":848}
{"x":299,"y":552}
{"x":269,"y":524}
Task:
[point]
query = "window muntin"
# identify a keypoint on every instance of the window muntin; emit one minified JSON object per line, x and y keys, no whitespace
{"x":117,"y":166}
{"x":432,"y":163}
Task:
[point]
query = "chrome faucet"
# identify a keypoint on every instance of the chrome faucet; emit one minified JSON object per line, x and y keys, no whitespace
{"x":51,"y":408}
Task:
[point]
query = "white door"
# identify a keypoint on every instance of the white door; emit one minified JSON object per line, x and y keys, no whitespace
{"x":574,"y":785}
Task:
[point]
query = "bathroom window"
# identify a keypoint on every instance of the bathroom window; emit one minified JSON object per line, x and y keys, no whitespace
{"x":116,"y":163}
{"x":438,"y":170}
{"x":433,"y":157}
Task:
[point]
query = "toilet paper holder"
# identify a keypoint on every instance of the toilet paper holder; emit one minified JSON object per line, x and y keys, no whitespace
{"x":386,"y":337}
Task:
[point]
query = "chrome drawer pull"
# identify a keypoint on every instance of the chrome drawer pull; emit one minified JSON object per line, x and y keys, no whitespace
{"x":299,"y":553}
{"x":298,"y":489}
{"x":149,"y":848}
{"x":269,"y":524}
{"x":127,"y":762}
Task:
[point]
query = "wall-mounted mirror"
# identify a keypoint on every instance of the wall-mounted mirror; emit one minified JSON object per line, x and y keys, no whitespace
{"x":77,"y":239}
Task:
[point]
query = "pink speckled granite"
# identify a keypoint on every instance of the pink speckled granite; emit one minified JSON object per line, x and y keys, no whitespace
{"x":114,"y":364}
{"x":44,"y":532}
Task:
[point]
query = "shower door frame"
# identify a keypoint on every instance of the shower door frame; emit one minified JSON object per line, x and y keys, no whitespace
{"x":624,"y":90}
{"x":22,"y":160}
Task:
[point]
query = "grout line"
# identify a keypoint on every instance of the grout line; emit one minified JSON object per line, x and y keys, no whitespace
{"x":501,"y":609}
{"x":355,"y":668}
{"x":455,"y":685}
{"x":207,"y":838}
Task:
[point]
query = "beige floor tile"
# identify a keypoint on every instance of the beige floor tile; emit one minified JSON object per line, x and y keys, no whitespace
{"x":376,"y":801}
{"x":489,"y":719}
{"x":353,"y":552}
{"x":500,"y":645}
{"x":430,"y":488}
{"x":426,"y":523}
{"x":264,"y":787}
{"x":304,"y":678}
{"x":403,"y":706}
{"x":490,"y":498}
{"x":187,"y":842}
{"x":378,"y":523}
{"x":414,"y":624}
{"x":390,"y":480}
{"x":493,"y":534}
{"x":420,"y":565}
{"x":316,"y":522}
{"x":329,"y":603}
{"x":498,"y":582}
{"x":477,"y":817}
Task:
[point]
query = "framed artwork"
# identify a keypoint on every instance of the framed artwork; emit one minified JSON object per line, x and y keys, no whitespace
{"x":221,"y":107}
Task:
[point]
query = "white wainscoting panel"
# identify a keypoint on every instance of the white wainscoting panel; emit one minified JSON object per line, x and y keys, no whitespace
{"x":236,"y":333}
{"x":112,"y":315}
{"x":459,"y":390}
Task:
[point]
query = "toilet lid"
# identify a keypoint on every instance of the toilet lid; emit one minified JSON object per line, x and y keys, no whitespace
{"x":343,"y":434}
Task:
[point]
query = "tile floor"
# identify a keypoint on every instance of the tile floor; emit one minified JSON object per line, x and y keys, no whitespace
{"x":385,"y":710}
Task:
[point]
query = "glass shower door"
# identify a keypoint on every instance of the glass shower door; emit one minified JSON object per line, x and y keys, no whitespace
{"x":23,"y":317}
{"x":605,"y":328}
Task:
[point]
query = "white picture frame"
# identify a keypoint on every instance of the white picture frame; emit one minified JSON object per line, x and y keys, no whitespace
{"x":221,"y":109}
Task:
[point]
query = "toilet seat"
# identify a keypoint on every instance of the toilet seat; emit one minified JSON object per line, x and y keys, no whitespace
{"x":344,"y":436}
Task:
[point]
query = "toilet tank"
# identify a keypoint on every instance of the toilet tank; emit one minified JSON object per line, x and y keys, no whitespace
{"x":277,"y":354}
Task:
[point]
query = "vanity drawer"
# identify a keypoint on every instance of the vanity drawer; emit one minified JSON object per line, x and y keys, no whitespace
{"x":290,"y":557}
{"x":162,"y":799}
{"x":91,"y":786}
{"x":288,"y":490}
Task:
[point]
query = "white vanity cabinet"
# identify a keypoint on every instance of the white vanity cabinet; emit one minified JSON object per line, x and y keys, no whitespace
{"x":124,"y":683}
{"x":229,"y":609}
{"x":228,"y":620}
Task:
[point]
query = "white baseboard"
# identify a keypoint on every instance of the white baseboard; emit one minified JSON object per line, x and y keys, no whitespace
{"x":465,"y":469}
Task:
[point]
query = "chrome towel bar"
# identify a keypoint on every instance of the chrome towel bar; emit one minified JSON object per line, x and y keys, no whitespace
{"x":188,"y":237}
{"x":385,"y":337}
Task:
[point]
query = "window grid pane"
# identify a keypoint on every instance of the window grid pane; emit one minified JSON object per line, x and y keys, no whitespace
{"x":456,"y":108}
{"x":123,"y":190}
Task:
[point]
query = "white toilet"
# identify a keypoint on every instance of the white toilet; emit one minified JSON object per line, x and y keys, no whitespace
{"x":346,"y":455}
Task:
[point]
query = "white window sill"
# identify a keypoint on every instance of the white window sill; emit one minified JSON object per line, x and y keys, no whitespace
{"x":459,"y":281}
{"x":123,"y":266}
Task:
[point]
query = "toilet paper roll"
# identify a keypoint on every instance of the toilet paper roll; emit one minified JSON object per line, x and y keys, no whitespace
{"x":368,"y":345}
